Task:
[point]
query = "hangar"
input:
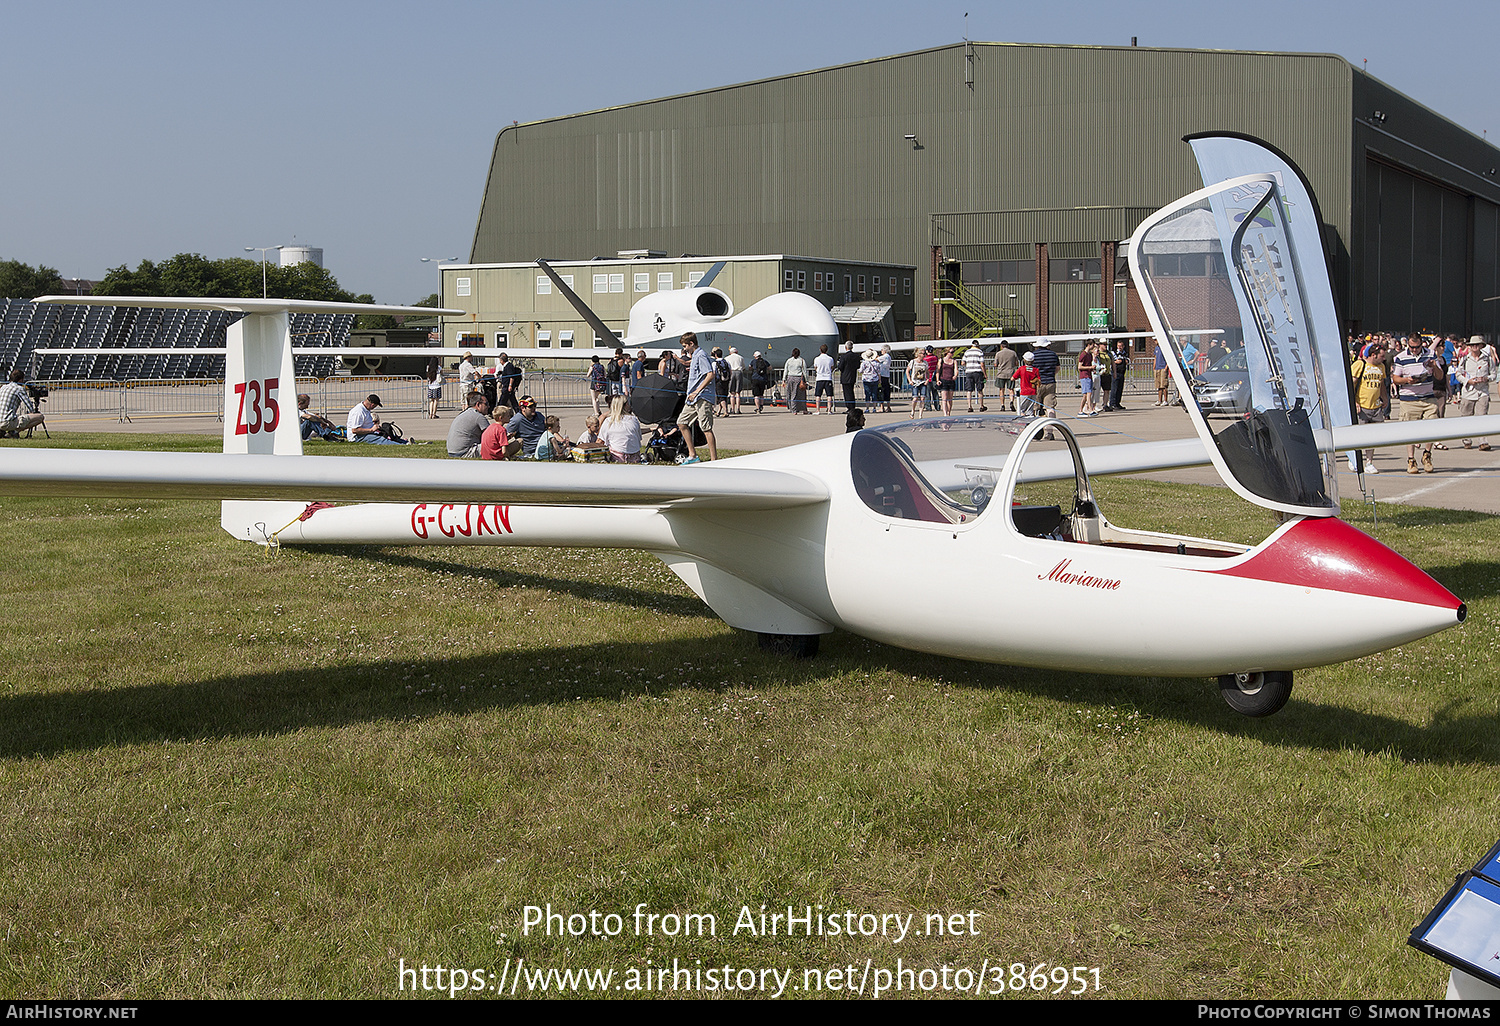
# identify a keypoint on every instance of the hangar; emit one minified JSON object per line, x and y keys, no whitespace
{"x":1008,"y":174}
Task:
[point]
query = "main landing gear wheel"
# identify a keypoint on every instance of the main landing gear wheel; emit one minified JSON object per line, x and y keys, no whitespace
{"x":1256,"y":694}
{"x":798,"y":646}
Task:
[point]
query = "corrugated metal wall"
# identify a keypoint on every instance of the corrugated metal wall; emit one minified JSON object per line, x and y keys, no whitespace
{"x":1428,"y":193}
{"x":819,"y":162}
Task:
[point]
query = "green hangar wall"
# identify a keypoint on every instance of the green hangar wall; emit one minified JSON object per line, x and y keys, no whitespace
{"x":857,"y":160}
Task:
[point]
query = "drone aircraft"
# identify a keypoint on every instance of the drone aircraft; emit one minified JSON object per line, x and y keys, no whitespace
{"x":788,"y":543}
{"x":658,"y":321}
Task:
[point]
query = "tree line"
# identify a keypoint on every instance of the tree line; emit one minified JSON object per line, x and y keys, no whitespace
{"x":194,"y":275}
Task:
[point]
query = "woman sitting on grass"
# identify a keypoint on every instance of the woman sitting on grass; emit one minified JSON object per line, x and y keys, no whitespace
{"x":622,"y":432}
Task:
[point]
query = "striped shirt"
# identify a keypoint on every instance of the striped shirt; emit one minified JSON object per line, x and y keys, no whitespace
{"x":1409,"y":366}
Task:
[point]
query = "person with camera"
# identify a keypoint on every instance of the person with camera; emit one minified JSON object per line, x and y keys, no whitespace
{"x":17,"y":412}
{"x":1413,"y":379}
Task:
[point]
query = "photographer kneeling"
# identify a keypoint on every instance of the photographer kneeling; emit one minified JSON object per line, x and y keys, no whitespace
{"x":17,"y":412}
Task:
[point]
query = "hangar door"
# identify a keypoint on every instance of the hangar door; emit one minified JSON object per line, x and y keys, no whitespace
{"x":1416,"y":269}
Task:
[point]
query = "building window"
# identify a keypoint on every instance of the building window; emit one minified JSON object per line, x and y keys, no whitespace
{"x":817,"y":281}
{"x":893,"y":285}
{"x":601,"y":283}
{"x":617,"y":282}
{"x":502,"y":339}
{"x":860,"y":284}
{"x":565,"y":340}
{"x":643,"y":281}
{"x":463,"y":286}
{"x":544,"y":340}
{"x":694,"y":277}
{"x":787,"y":280}
{"x":875,"y":284}
{"x":801,"y":281}
{"x":1073,"y":270}
{"x":567,"y":279}
{"x":543,"y":285}
{"x":1001,"y":272}
{"x":906,"y":286}
{"x":664,"y":281}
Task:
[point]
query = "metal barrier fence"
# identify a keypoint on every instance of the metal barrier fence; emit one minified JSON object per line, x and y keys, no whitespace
{"x":143,"y":399}
{"x":1140,"y":379}
{"x":333,"y":397}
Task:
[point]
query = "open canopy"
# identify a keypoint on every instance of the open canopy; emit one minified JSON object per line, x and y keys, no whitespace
{"x":1221,"y":267}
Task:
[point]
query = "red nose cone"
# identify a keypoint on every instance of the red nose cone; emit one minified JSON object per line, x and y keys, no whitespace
{"x":1327,"y":553}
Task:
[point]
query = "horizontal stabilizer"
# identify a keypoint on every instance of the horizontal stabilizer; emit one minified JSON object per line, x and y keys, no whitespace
{"x":336,"y":478}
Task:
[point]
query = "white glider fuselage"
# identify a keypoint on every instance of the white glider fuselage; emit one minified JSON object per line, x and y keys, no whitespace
{"x":1317,"y":591}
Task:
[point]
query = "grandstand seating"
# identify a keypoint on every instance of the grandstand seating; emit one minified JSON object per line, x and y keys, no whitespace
{"x":96,"y":330}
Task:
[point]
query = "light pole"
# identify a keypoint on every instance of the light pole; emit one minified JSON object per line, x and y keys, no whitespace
{"x":262,"y":250}
{"x":440,"y":261}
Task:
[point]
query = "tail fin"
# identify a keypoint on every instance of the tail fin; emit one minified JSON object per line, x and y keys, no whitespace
{"x":260,"y":386}
{"x":260,"y":414}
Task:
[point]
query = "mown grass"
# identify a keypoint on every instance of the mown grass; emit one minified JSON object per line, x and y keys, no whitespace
{"x":231,"y":774}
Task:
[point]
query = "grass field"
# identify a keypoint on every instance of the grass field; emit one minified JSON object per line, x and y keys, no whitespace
{"x":225,"y":773}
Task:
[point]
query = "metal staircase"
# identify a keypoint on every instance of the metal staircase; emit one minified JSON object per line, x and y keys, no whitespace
{"x":955,"y":297}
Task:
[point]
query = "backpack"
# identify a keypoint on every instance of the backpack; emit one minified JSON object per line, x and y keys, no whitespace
{"x":613,"y":373}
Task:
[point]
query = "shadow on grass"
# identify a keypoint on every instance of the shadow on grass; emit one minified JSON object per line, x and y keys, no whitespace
{"x":429,"y":560}
{"x":291,"y":700}
{"x":1404,"y":516}
{"x":1470,"y":581}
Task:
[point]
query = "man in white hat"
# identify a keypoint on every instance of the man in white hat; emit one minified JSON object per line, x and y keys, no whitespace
{"x":1475,"y":371}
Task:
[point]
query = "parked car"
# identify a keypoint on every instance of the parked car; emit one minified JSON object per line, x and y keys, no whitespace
{"x":1225,"y":387}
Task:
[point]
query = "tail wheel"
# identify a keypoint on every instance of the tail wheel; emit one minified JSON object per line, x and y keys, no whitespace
{"x":798,"y":646}
{"x":1256,"y":694}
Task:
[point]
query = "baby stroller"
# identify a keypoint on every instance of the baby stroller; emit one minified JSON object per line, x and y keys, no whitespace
{"x":667,"y":445}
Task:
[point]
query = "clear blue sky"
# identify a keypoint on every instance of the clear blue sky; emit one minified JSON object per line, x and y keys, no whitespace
{"x":146,"y":129}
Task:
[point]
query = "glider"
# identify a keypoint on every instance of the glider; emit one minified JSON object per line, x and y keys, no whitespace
{"x":788,"y":543}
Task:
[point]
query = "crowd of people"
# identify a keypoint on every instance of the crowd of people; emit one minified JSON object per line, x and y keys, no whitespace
{"x":1025,"y":383}
{"x":1412,"y":377}
{"x":1420,"y":377}
{"x":495,"y":425}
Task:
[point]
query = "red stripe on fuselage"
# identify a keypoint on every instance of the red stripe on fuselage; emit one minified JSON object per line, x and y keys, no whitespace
{"x":1325,"y":552}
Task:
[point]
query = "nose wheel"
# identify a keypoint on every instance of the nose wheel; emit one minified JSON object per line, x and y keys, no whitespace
{"x":1256,"y":694}
{"x":797,"y":646}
